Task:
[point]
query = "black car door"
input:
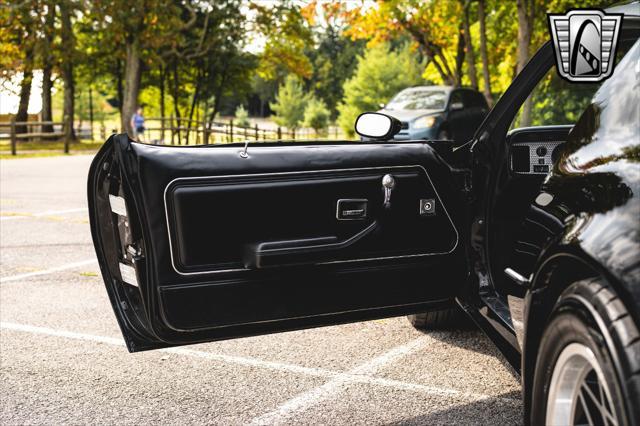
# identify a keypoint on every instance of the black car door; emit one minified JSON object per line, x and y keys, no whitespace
{"x":206,"y":243}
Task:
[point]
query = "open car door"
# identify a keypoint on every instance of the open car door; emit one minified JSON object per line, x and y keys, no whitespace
{"x":205,"y":243}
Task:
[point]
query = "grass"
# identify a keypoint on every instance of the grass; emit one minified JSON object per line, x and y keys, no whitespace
{"x":47,"y":149}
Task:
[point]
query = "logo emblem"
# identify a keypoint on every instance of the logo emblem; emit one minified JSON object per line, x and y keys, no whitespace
{"x":585,"y":44}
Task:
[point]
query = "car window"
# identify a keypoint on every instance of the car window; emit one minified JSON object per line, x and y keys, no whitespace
{"x":556,"y":101}
{"x":417,"y":99}
{"x":456,"y":97}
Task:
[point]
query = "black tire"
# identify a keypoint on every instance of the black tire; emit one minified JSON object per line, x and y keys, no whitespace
{"x":446,"y":319}
{"x":590,"y":314}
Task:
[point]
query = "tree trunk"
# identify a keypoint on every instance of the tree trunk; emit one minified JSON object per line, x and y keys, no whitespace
{"x":483,"y":55}
{"x":471,"y":57}
{"x":119,"y":86}
{"x":176,"y":93}
{"x":47,"y":83}
{"x":162,"y":102}
{"x":47,"y":112}
{"x":460,"y":55}
{"x":66,"y":71}
{"x":525,"y":24}
{"x":132,"y":74}
{"x":25,"y":93}
{"x":91,"y":111}
{"x":194,"y":101}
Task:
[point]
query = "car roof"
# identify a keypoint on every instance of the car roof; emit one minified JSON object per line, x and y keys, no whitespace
{"x":446,"y":88}
{"x":441,"y":87}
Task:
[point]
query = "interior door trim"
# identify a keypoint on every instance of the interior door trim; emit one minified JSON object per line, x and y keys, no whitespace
{"x":219,"y":271}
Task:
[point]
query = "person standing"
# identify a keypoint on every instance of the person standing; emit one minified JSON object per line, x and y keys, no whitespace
{"x":137,"y":124}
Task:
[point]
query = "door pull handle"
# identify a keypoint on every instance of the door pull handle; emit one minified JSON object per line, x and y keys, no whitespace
{"x":388,"y":183}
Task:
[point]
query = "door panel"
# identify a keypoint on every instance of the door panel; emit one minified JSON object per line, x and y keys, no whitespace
{"x":300,"y":207}
{"x":211,"y":245}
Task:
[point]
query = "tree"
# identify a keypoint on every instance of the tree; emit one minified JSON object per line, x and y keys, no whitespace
{"x":470,"y":55}
{"x":483,"y":54}
{"x":48,"y":61}
{"x":139,"y":27}
{"x":20,"y":26}
{"x":379,"y":75}
{"x":287,"y":35}
{"x":290,"y":103}
{"x":66,"y":67}
{"x":526,"y":13}
{"x":316,"y":115}
{"x":242,"y":116}
{"x":431,"y":25}
{"x":333,"y":53}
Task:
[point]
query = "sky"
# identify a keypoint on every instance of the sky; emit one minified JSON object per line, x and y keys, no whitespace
{"x":9,"y":94}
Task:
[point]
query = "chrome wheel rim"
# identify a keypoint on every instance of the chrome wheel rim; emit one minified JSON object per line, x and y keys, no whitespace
{"x":579,"y":393}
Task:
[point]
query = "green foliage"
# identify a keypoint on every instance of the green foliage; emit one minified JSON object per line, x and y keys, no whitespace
{"x":316,"y":115}
{"x":333,"y":63}
{"x":290,"y":103}
{"x":380,"y":74}
{"x":242,"y":116}
{"x":286,"y":34}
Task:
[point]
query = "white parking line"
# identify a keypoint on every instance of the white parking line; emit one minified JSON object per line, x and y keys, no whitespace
{"x":40,"y":214}
{"x":47,"y":271}
{"x":284,"y":412}
{"x":359,"y":374}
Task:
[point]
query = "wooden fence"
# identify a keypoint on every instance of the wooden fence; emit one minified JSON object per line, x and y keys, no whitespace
{"x":183,"y":131}
{"x":169,"y":131}
{"x":39,"y":131}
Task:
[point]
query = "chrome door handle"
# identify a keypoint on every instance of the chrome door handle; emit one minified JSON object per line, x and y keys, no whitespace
{"x":388,"y":183}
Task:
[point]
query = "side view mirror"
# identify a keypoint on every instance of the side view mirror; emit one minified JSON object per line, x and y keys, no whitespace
{"x":456,"y":106}
{"x":375,"y":125}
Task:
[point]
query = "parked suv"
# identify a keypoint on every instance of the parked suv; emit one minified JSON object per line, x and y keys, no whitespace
{"x":437,"y":113}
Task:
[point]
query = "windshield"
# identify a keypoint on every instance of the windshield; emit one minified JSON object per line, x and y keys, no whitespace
{"x":418,"y":99}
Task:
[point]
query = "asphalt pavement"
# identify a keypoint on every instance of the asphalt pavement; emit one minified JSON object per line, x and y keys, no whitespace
{"x":63,"y":361}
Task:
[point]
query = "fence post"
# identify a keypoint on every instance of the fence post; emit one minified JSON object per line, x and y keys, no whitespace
{"x":173,"y":130}
{"x":162,"y":129}
{"x":231,"y":131}
{"x":293,"y":134}
{"x":279,"y":133}
{"x":14,"y":139}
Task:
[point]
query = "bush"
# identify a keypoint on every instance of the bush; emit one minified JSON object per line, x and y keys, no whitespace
{"x":316,"y":115}
{"x":380,"y":74}
{"x":242,"y":117}
{"x":290,"y":103}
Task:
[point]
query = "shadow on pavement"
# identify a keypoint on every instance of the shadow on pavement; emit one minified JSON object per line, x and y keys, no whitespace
{"x":490,"y":411}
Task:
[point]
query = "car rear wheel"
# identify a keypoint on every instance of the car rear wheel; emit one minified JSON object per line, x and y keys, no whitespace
{"x":588,"y":364}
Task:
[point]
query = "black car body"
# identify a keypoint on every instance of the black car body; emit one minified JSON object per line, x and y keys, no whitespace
{"x":206,"y":243}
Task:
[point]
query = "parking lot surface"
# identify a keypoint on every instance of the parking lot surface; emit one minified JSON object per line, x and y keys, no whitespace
{"x":62,"y":358}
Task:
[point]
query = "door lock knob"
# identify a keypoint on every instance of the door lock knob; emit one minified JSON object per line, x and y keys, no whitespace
{"x":388,"y":183}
